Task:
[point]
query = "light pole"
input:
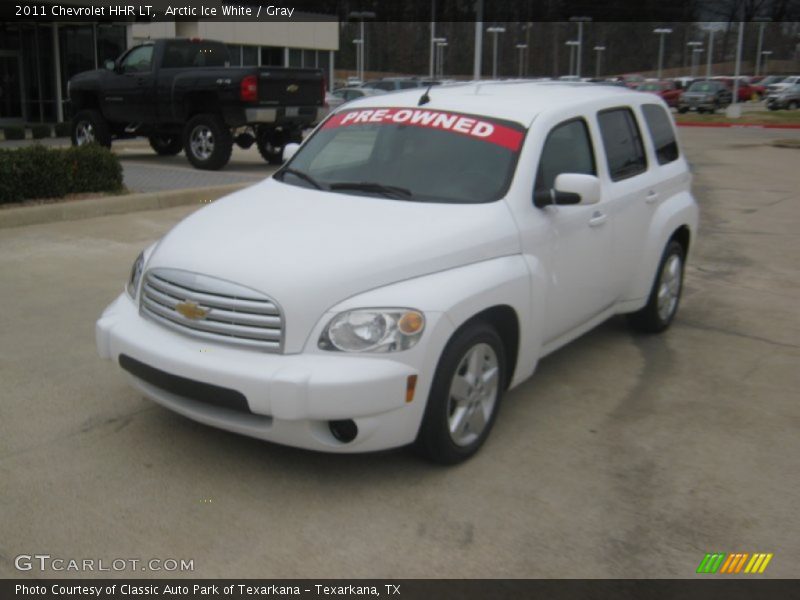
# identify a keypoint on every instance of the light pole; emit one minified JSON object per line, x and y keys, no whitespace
{"x":478,"y":55}
{"x":696,"y":59}
{"x":361,"y":16}
{"x":495,"y":31}
{"x":433,"y":36}
{"x":359,"y":55}
{"x":441,"y":46}
{"x":694,"y":46}
{"x":661,"y":31}
{"x":599,"y":50}
{"x":761,"y":25}
{"x":435,"y":54}
{"x":580,"y":21}
{"x":734,"y":110}
{"x":572,"y":45}
{"x":521,"y":48}
{"x":766,"y":54}
{"x":710,"y":53}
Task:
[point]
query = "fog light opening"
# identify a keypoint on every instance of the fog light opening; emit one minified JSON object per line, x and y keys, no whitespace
{"x":345,"y":430}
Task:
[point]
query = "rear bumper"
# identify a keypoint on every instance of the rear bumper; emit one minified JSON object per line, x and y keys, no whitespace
{"x":281,"y":115}
{"x":290,"y":399}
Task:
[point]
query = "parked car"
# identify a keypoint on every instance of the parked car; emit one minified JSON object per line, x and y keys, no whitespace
{"x":705,"y":95}
{"x":632,"y":80}
{"x":786,"y":98}
{"x":786,"y":82}
{"x":666,"y":90}
{"x":346,"y":94}
{"x":410,"y":264}
{"x":182,"y":95}
{"x":391,"y":84}
{"x":744,"y":93}
{"x":771,"y":80}
{"x":683,"y":83}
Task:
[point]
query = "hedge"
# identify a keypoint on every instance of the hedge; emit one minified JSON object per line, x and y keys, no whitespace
{"x":40,"y":131}
{"x":37,"y":172}
{"x":14,"y":132}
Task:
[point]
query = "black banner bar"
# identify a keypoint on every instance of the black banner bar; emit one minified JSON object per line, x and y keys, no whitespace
{"x":733,"y":588}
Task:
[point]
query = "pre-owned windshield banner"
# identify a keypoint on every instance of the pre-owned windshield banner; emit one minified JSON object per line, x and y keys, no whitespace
{"x":488,"y":130}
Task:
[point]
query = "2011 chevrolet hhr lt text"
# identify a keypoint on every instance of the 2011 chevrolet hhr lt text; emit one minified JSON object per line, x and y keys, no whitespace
{"x":413,"y":260}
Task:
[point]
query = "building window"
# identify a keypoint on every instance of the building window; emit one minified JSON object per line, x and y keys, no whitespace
{"x":295,"y":57}
{"x":249,"y":56}
{"x":235,"y":50}
{"x":111,"y":43}
{"x":271,"y":56}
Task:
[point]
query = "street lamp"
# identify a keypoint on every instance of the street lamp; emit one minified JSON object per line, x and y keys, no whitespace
{"x":494,"y":31}
{"x":763,"y":22}
{"x":440,"y":46}
{"x":696,"y":59}
{"x":572,"y":45}
{"x":599,"y":50}
{"x":580,"y":21}
{"x":694,"y":46}
{"x":521,"y":48}
{"x":661,"y":31}
{"x":359,"y":56}
{"x":361,"y":16}
{"x":766,"y":54}
{"x":434,"y":54}
{"x":710,"y":54}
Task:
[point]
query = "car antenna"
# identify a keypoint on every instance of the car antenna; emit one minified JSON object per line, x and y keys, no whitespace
{"x":425,"y":98}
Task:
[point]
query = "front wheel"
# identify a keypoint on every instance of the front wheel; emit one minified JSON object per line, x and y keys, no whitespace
{"x":465,"y":395}
{"x":89,"y":126}
{"x":166,"y":145}
{"x":208,"y":143}
{"x":665,"y":296}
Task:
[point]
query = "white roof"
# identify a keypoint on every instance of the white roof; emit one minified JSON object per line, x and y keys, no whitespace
{"x":519,"y":101}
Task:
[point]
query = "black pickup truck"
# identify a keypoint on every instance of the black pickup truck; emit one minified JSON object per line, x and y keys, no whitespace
{"x":183,"y":95}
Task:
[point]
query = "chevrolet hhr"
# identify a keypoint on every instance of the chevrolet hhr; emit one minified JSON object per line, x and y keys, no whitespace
{"x":411,"y":261}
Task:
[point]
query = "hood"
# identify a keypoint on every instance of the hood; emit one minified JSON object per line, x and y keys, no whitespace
{"x":309,"y":250}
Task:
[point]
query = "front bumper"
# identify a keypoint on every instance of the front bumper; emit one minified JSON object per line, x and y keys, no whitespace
{"x":291,"y":398}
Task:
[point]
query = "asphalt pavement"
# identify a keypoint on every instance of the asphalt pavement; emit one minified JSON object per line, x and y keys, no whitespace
{"x":623,"y":456}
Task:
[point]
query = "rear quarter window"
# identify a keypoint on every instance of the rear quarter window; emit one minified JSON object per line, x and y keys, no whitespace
{"x":661,"y":132}
{"x":622,"y":143}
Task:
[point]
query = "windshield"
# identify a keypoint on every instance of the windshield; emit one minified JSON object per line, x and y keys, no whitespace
{"x":703,"y":86}
{"x":409,"y":153}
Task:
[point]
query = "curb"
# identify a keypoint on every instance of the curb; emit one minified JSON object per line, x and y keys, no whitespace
{"x":738,"y":126}
{"x":112,"y":205}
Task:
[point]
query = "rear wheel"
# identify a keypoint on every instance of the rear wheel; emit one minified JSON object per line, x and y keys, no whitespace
{"x":208,"y":143}
{"x":166,"y":145}
{"x":465,"y":395}
{"x":89,"y":126}
{"x":665,"y":295}
{"x":270,"y":143}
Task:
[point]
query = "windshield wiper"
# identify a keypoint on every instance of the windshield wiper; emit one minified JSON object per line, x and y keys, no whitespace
{"x":369,"y":186}
{"x":303,"y":176}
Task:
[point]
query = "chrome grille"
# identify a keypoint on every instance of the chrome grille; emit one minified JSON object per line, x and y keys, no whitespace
{"x":235,"y":314}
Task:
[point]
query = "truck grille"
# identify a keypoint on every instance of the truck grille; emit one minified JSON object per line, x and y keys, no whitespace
{"x":217,"y":310}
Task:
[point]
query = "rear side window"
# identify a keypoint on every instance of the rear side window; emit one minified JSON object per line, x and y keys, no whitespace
{"x":661,"y":131}
{"x":567,"y":149}
{"x":622,"y":142}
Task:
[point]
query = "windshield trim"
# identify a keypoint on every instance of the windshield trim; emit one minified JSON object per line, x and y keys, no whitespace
{"x":508,"y":178}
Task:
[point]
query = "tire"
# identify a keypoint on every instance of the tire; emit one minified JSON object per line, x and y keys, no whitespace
{"x":207,"y":141}
{"x":476,"y":347}
{"x":166,"y":145}
{"x":89,"y":126}
{"x":271,"y":142}
{"x":665,"y":295}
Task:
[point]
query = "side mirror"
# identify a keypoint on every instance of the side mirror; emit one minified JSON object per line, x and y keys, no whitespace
{"x":110,"y":65}
{"x":289,"y":150}
{"x":570,"y":188}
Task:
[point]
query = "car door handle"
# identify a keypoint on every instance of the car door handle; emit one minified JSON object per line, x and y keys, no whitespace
{"x":651,"y":197}
{"x":597,"y":219}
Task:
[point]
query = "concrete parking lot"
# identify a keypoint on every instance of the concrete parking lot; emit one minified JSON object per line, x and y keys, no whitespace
{"x":624,"y":456}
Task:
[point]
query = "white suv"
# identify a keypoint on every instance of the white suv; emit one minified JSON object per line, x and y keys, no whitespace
{"x":412,"y":261}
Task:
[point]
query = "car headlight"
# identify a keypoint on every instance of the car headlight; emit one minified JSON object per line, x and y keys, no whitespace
{"x":373,"y":330}
{"x":135,"y":276}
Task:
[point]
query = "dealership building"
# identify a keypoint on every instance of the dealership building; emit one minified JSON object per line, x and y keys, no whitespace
{"x":37,"y":58}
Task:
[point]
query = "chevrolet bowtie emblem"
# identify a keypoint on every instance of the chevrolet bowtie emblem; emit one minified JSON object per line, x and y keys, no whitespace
{"x":191,"y":310}
{"x":292,"y":88}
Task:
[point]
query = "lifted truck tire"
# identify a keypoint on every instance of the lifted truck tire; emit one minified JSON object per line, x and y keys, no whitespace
{"x":166,"y":145}
{"x":89,"y":126}
{"x":207,"y":141}
{"x":270,"y":143}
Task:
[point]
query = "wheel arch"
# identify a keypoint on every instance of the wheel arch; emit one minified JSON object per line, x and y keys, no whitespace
{"x":505,"y":320}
